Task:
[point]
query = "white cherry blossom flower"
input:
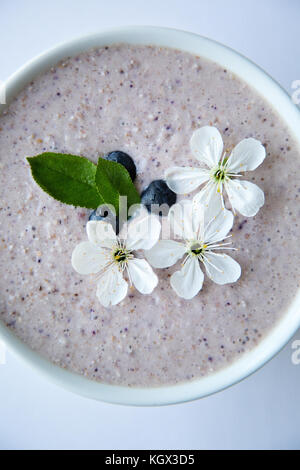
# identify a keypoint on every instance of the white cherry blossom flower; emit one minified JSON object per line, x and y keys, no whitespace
{"x":107,"y":256}
{"x":201,"y":235}
{"x":222,"y":172}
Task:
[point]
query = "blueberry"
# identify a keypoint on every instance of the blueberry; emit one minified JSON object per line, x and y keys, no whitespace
{"x":158,"y":193}
{"x":123,"y":159}
{"x":104,"y":214}
{"x":97,"y":215}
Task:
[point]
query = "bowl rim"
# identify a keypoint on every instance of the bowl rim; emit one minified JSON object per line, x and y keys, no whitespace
{"x":284,"y":329}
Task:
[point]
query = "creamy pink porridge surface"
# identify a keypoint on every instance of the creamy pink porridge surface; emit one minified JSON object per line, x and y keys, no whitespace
{"x":146,"y":101}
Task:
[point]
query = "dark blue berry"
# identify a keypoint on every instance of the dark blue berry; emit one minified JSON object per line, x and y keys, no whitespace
{"x":98,"y":215}
{"x":158,"y":193}
{"x":104,"y":214}
{"x":123,"y":159}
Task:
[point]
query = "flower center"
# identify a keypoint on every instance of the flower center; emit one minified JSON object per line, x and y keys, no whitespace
{"x":220,"y":174}
{"x":197,"y":248}
{"x":121,"y":256}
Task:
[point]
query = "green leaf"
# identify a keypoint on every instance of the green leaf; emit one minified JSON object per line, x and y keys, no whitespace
{"x":68,"y":178}
{"x":113,"y":181}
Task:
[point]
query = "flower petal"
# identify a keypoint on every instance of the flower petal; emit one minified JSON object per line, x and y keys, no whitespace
{"x":246,"y":156}
{"x":221,"y":268}
{"x":207,"y":145}
{"x":245,"y":197}
{"x":89,"y":259}
{"x":142,"y":275}
{"x":217,"y":228}
{"x":185,"y":219}
{"x":101,"y":233}
{"x":188,"y":282}
{"x":141,"y":232}
{"x":211,"y":200}
{"x":165,"y":253}
{"x":184,"y":180}
{"x":111,"y":288}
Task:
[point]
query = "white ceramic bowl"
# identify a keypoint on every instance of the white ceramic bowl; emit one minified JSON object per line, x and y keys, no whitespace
{"x":287,"y":326}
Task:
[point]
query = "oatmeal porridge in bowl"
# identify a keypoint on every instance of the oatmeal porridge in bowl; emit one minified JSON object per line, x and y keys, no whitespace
{"x":178,"y":119}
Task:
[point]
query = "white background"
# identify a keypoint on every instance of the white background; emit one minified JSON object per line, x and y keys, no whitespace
{"x":263,"y":411}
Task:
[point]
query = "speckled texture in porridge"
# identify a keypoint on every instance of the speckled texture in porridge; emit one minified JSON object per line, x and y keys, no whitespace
{"x":146,"y":101}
